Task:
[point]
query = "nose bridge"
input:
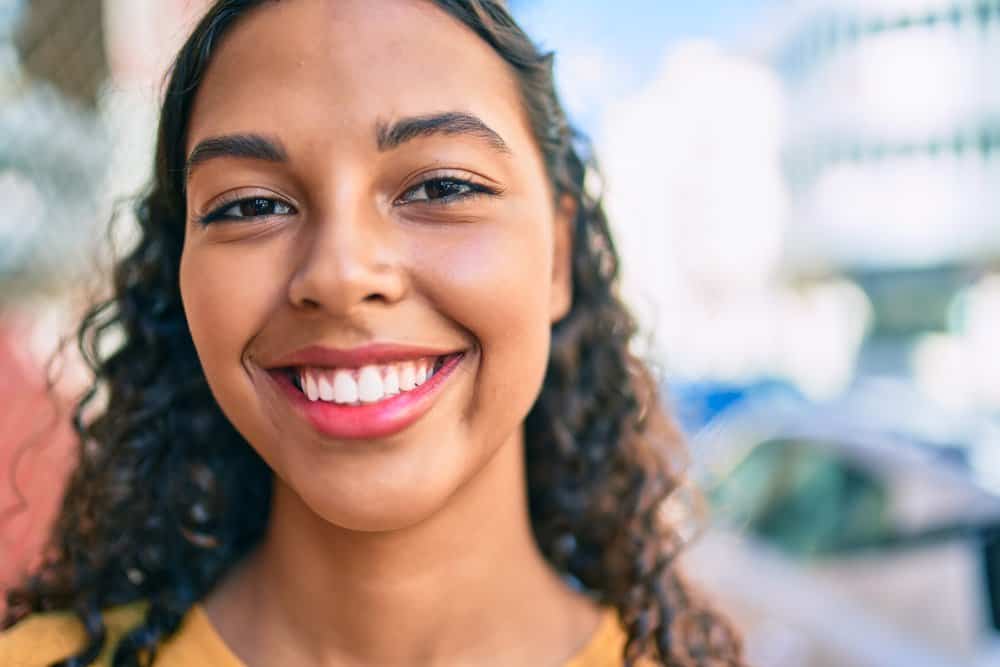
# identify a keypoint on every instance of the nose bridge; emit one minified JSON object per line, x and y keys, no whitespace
{"x":348,"y":256}
{"x":344,"y":237}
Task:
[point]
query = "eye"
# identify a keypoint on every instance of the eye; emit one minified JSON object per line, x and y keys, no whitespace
{"x":247,"y":208}
{"x":443,"y":190}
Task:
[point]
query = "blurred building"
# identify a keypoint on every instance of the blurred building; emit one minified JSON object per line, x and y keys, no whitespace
{"x":54,"y":146}
{"x":53,"y":149}
{"x":894,"y":130}
{"x":79,"y":86}
{"x":701,"y":210}
{"x":892,"y":156}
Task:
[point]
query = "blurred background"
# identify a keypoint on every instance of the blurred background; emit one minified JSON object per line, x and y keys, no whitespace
{"x":806,"y":196}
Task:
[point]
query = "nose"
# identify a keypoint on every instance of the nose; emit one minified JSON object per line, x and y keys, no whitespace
{"x":349,"y":259}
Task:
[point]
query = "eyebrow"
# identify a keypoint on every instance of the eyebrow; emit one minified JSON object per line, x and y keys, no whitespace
{"x":388,"y":136}
{"x":392,"y":135}
{"x":253,"y":146}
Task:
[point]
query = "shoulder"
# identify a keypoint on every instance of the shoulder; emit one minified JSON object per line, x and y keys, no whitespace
{"x":44,"y":638}
{"x":606,"y":646}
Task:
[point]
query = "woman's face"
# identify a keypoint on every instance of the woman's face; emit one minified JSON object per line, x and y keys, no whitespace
{"x":366,"y":204}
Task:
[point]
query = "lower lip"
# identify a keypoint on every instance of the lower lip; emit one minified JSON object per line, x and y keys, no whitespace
{"x":371,"y":420}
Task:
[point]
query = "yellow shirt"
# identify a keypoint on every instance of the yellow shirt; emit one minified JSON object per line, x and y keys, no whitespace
{"x":41,"y":639}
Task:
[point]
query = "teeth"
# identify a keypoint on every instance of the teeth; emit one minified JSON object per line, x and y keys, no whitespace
{"x":325,"y":388}
{"x":345,"y":389}
{"x":407,"y":376}
{"x":309,"y":385}
{"x":370,"y":385}
{"x":391,"y":382}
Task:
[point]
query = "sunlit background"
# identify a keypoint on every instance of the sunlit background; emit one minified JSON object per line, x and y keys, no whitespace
{"x":806,"y":198}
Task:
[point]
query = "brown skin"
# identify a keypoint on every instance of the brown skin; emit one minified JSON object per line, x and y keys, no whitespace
{"x":416,"y":548}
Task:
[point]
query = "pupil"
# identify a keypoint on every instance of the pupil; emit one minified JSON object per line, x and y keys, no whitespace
{"x":440,"y":189}
{"x":254,"y":207}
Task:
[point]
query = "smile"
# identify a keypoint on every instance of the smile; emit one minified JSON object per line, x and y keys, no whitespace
{"x":370,"y":384}
{"x":369,"y":401}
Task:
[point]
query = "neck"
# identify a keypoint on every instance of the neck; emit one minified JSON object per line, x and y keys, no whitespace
{"x":452,"y":589}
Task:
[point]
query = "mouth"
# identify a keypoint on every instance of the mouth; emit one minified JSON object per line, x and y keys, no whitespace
{"x":369,"y":384}
{"x":371,"y":401}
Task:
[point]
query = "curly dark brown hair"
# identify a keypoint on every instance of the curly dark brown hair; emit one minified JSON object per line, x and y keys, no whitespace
{"x":167,"y":496}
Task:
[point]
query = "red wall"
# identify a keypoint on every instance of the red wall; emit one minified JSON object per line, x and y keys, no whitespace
{"x":36,"y":453}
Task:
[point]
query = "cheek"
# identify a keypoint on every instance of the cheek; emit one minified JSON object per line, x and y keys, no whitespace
{"x":225,"y":299}
{"x":492,"y":282}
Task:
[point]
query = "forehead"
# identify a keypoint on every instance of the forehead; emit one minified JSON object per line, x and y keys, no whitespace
{"x":341,"y":66}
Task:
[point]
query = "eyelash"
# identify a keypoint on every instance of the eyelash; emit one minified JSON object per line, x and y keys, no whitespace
{"x":219,"y":212}
{"x":473,"y":190}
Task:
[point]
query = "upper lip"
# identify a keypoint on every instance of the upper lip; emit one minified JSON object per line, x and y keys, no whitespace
{"x":375,"y":353}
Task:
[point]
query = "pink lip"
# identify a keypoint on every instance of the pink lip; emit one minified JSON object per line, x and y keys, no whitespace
{"x":375,"y":353}
{"x":373,"y":420}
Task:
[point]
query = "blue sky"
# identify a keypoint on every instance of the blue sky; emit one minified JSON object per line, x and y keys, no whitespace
{"x":632,"y":35}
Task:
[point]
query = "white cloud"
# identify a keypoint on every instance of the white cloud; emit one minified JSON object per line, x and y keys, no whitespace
{"x":699,"y":206}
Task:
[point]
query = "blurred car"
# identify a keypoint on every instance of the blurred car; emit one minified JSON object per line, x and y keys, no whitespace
{"x":855,"y":533}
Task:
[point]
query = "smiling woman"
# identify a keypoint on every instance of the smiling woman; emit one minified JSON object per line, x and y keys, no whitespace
{"x":374,"y":404}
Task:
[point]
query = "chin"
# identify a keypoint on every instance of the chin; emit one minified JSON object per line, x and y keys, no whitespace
{"x":379,"y":496}
{"x":405,"y":508}
{"x":385,"y":521}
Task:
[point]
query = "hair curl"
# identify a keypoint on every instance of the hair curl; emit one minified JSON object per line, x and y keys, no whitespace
{"x":167,"y":496}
